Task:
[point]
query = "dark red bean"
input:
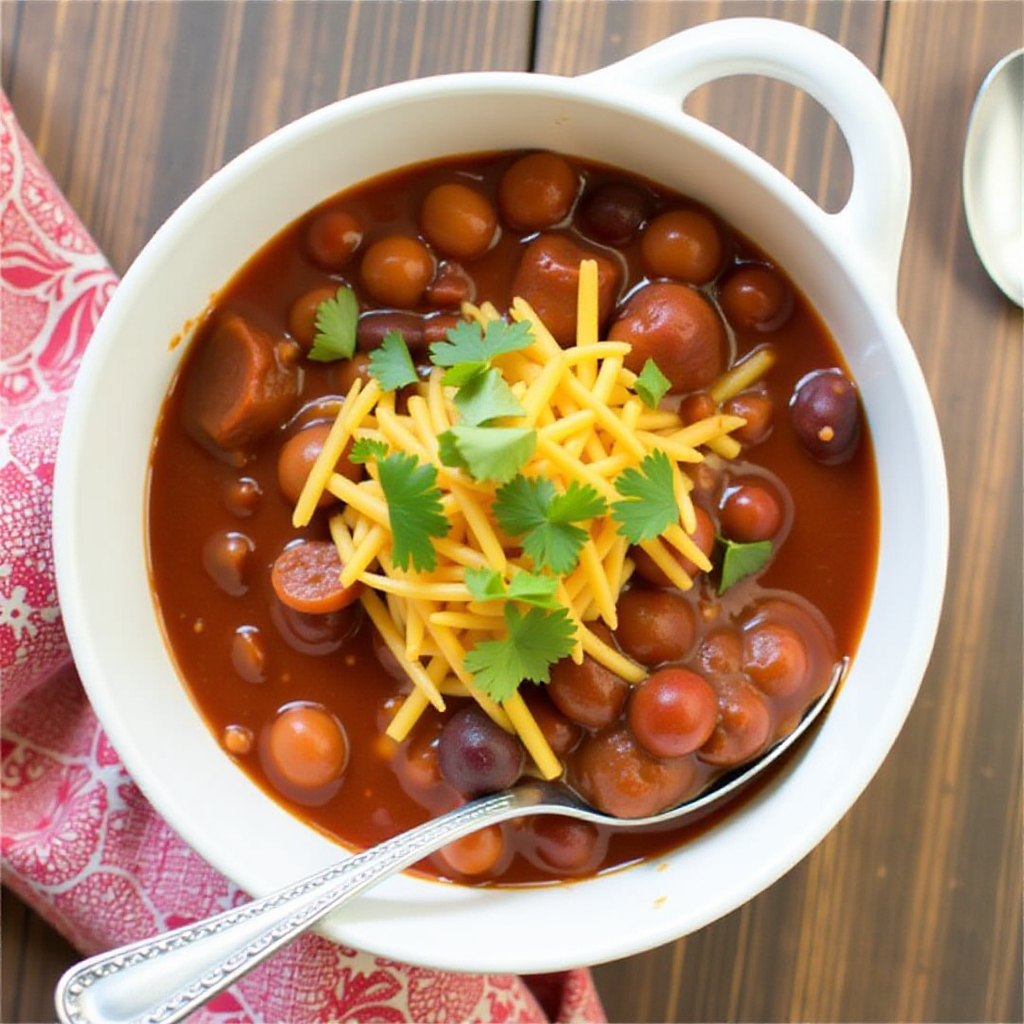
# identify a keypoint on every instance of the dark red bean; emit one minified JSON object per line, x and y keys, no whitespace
{"x":332,"y":237}
{"x":565,"y":844}
{"x":537,"y":192}
{"x":451,"y":287}
{"x":655,"y":625}
{"x":611,"y":213}
{"x":685,"y":245}
{"x":345,"y":371}
{"x":372,"y":327}
{"x":756,"y":298}
{"x":674,"y":325}
{"x":826,"y":415}
{"x":561,"y":733}
{"x":613,"y":773}
{"x":477,"y":756}
{"x":673,"y":712}
{"x":720,"y":652}
{"x":744,"y":724}
{"x":698,"y":406}
{"x":306,"y":578}
{"x":548,"y":279}
{"x":314,"y":634}
{"x":588,"y":693}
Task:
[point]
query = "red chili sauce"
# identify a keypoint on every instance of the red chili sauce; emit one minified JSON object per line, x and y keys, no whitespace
{"x":300,"y":700}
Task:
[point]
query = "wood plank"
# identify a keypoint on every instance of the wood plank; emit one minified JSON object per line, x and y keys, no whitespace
{"x":910,"y":908}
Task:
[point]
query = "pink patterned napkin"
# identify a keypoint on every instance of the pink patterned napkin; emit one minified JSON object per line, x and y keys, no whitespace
{"x":79,"y":842}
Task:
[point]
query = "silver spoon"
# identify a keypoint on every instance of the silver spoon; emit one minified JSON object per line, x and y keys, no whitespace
{"x":993,"y":181}
{"x":163,"y":979}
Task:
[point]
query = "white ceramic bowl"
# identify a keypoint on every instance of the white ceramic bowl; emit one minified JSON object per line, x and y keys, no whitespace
{"x":630,"y":115}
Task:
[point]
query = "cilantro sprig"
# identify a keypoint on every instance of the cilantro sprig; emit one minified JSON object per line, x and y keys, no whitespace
{"x":487,"y":453}
{"x":487,"y":584}
{"x":648,"y":506}
{"x":335,"y":327}
{"x":651,"y":384}
{"x":546,"y":520}
{"x":391,"y":363}
{"x":415,"y":511}
{"x":534,"y":641}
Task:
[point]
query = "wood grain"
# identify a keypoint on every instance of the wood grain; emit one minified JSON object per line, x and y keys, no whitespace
{"x":911,"y":909}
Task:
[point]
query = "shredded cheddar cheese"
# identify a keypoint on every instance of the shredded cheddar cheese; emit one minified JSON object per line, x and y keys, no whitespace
{"x":590,"y":427}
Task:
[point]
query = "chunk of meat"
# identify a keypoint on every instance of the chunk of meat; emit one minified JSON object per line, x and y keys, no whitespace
{"x":548,"y":279}
{"x":245,"y":383}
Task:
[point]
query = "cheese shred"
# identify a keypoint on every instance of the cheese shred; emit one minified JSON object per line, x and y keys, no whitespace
{"x":590,"y":426}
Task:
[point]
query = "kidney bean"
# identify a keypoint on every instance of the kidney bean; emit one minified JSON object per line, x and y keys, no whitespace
{"x":458,"y":220}
{"x":332,"y":237}
{"x":682,"y":244}
{"x":674,"y":325}
{"x":396,"y":270}
{"x":548,"y":279}
{"x":776,"y":659}
{"x":565,"y":844}
{"x":249,"y":654}
{"x":475,"y":854}
{"x":744,"y":724}
{"x":476,"y":755}
{"x":751,"y":512}
{"x":613,"y":773}
{"x":703,"y":537}
{"x":589,"y":694}
{"x":537,"y":192}
{"x":720,"y":652}
{"x":226,"y":558}
{"x":243,"y":385}
{"x":296,"y":458}
{"x":451,"y":286}
{"x":306,"y":577}
{"x":655,"y":625}
{"x":561,"y":733}
{"x":756,"y":298}
{"x":302,"y":315}
{"x":611,"y":213}
{"x":826,"y":415}
{"x":311,"y":633}
{"x":673,"y":712}
{"x":757,"y":409}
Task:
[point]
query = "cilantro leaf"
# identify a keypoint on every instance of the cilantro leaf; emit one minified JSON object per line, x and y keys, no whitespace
{"x":545,"y":519}
{"x":535,"y":641}
{"x":391,"y":364}
{"x":414,"y":509}
{"x":335,"y":325}
{"x":648,"y":506}
{"x":366,"y":448}
{"x":468,"y":342}
{"x":742,"y":559}
{"x":487,"y":584}
{"x":651,"y":384}
{"x":487,"y":453}
{"x":485,"y":396}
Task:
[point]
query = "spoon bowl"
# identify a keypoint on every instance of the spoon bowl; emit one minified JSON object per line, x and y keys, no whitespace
{"x":164,"y":979}
{"x":993,"y":178}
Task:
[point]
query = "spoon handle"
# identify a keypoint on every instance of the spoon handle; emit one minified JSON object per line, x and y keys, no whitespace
{"x":162,"y":980}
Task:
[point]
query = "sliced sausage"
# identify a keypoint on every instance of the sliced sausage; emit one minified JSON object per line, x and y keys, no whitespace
{"x":307,"y":578}
{"x":244,"y":385}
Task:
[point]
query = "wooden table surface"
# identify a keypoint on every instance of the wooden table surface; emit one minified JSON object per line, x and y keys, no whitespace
{"x":911,"y":909}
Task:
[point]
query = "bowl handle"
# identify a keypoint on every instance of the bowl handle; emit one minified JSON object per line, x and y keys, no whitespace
{"x":875,"y":215}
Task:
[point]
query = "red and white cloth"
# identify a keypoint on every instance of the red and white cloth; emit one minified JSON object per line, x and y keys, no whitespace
{"x":79,"y":842}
